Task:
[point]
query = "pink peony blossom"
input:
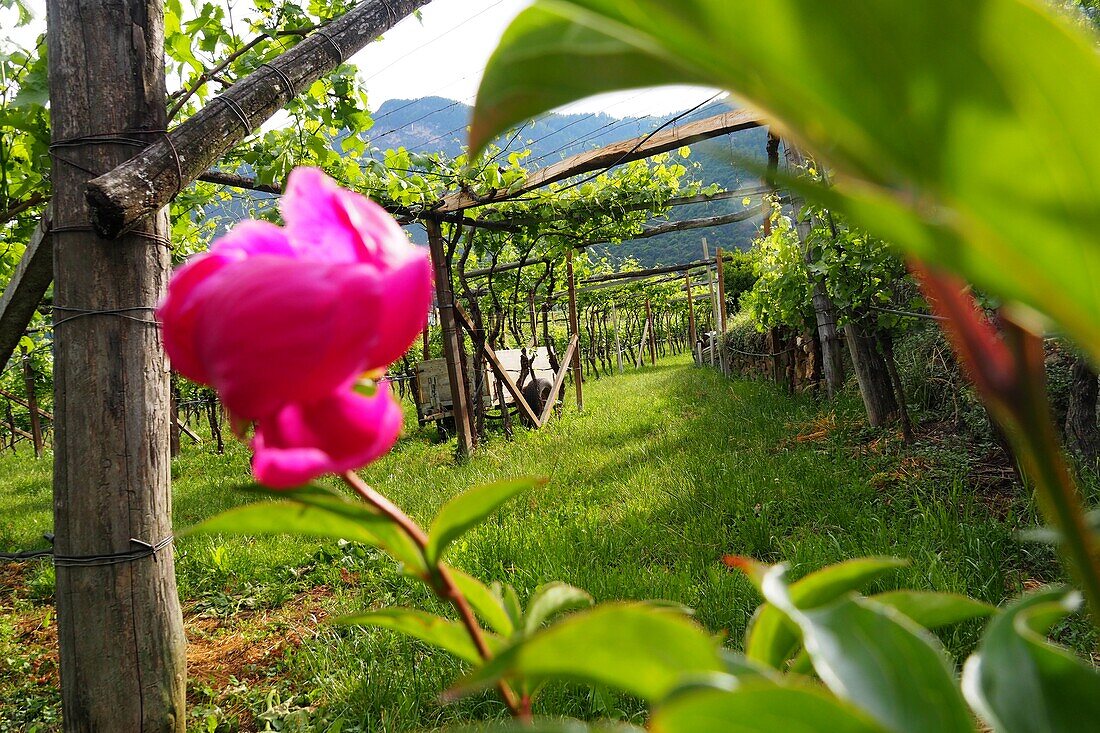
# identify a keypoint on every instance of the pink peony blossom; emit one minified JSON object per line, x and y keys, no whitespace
{"x":283,"y":321}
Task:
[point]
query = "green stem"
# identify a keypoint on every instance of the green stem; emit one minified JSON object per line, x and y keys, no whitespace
{"x":441,"y":583}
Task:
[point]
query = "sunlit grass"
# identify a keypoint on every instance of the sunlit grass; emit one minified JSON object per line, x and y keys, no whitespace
{"x":667,"y":470}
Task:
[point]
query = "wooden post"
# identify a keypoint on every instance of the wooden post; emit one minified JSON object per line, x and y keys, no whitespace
{"x":427,"y":340}
{"x":32,"y":403}
{"x":652,"y":334}
{"x":825,"y":312}
{"x":575,"y":330}
{"x":120,"y":630}
{"x":691,"y":312}
{"x":618,"y":346}
{"x":534,"y":324}
{"x":721,"y":310}
{"x":455,"y":374}
{"x":713,"y":301}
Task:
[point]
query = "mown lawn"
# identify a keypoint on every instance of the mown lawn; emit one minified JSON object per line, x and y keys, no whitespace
{"x":667,"y":470}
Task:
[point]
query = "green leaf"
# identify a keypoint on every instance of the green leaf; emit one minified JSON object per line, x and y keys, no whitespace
{"x":550,"y":726}
{"x":551,"y":599}
{"x":996,"y":176}
{"x":469,"y":509}
{"x":451,"y":636}
{"x":933,"y":610}
{"x":488,"y":606}
{"x":772,"y":638}
{"x":317,"y":513}
{"x":1021,"y":683}
{"x":757,"y":708}
{"x":634,"y":647}
{"x":879,"y":660}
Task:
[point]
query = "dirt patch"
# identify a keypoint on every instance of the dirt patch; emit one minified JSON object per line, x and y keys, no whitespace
{"x":243,"y":647}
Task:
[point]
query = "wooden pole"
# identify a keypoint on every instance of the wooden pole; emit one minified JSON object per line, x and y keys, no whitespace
{"x":691,"y":312}
{"x":652,"y":333}
{"x":713,"y":302}
{"x":534,"y":321}
{"x":721,"y":302}
{"x":32,"y":403}
{"x":618,"y":346}
{"x":120,"y":630}
{"x":451,"y":352}
{"x":426,"y":338}
{"x":151,"y":179}
{"x":574,"y":330}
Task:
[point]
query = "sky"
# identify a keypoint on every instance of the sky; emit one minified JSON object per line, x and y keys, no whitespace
{"x":443,"y":55}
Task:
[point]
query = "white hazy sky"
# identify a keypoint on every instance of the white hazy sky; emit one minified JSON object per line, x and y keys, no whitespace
{"x":443,"y":55}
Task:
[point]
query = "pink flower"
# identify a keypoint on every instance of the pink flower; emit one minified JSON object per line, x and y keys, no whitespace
{"x":340,"y":433}
{"x":283,"y":321}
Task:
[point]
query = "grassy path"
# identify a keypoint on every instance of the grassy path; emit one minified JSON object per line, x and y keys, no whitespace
{"x":666,"y":471}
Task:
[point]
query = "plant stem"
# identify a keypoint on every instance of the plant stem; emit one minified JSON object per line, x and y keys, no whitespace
{"x":440,"y":582}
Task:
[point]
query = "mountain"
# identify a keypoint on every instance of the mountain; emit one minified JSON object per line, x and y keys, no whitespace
{"x":435,"y":124}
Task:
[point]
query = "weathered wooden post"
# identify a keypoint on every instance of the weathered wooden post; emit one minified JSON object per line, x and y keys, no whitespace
{"x":713,"y":303}
{"x":451,"y":351}
{"x":825,"y":312}
{"x":120,"y":630}
{"x":618,"y":346}
{"x":574,"y":330}
{"x":652,"y":335}
{"x":531,"y":314}
{"x":691,"y":311}
{"x":32,"y":402}
{"x":722,"y":310}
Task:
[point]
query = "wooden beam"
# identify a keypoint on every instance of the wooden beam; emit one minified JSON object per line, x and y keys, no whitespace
{"x":574,"y":328}
{"x":612,"y":155}
{"x":702,"y":198}
{"x":150,"y":180}
{"x":451,"y":350}
{"x":558,"y":380}
{"x":24,"y":291}
{"x":494,"y":362}
{"x":23,"y":403}
{"x":654,"y":231}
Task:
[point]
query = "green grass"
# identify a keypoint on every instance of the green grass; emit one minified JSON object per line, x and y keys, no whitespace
{"x":666,"y":471}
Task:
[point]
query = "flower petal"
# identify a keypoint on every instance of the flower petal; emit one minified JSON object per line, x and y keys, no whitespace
{"x":178,"y":312}
{"x":404,"y":311}
{"x":328,"y":223}
{"x":340,"y":433}
{"x":272,"y":331}
{"x":251,"y":237}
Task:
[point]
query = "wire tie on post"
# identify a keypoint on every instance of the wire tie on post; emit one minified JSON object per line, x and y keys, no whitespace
{"x":119,"y":312}
{"x":142,"y":550}
{"x":327,"y":37}
{"x":282,"y":75}
{"x":237,"y":110}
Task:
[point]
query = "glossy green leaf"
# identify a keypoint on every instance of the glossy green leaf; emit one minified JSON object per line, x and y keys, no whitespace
{"x":1021,"y":683}
{"x":317,"y":515}
{"x":469,"y":509}
{"x":933,"y":610}
{"x":551,"y":726}
{"x":451,"y":636}
{"x":879,"y":660}
{"x":488,"y":606}
{"x":755,"y":708}
{"x":552,"y":599}
{"x":772,"y":638}
{"x":633,"y":647}
{"x":980,"y":157}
